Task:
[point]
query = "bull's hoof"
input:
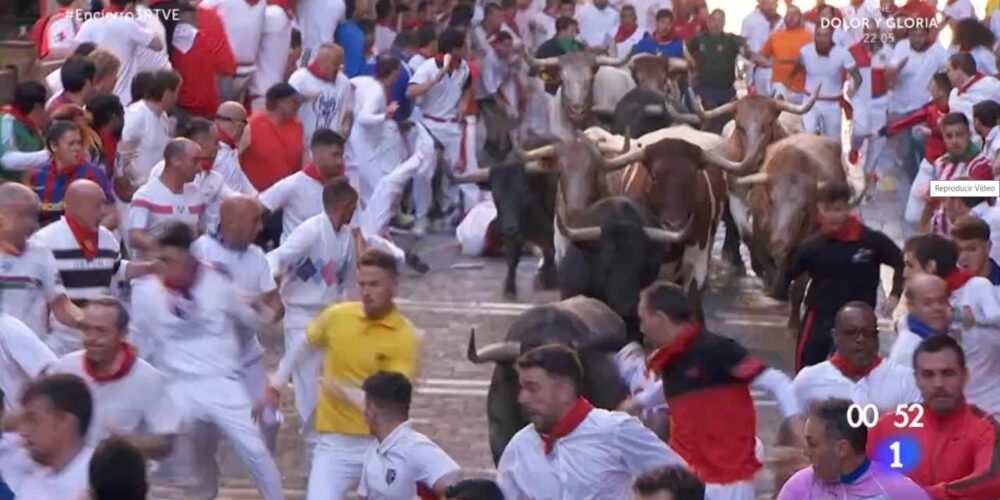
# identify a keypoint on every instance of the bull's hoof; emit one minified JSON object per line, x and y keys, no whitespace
{"x":509,"y":290}
{"x":546,"y":279}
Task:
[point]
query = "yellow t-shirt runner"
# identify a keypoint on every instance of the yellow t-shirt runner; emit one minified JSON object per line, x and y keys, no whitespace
{"x":355,"y":348}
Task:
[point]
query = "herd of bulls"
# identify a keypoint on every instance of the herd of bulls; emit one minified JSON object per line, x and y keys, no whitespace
{"x":630,"y":210}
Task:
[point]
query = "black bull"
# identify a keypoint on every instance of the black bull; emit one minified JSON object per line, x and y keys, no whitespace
{"x":585,"y":324}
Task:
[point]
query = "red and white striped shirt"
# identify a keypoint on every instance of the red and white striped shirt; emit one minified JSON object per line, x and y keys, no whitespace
{"x":947,"y":168}
{"x":872,"y":68}
{"x":154,"y":205}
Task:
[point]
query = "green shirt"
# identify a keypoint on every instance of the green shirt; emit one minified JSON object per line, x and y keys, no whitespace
{"x":15,"y":136}
{"x":716,"y":56}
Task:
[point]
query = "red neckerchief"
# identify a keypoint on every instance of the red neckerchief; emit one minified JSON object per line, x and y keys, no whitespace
{"x":567,"y":424}
{"x":110,"y":146}
{"x":113,"y":9}
{"x":850,"y":230}
{"x":226,"y":138}
{"x":285,"y":6}
{"x":387,"y":23}
{"x":975,"y":78}
{"x":185,"y":291}
{"x":252,"y":3}
{"x":85,"y":237}
{"x":314,"y":69}
{"x":668,"y":353}
{"x":21,"y":117}
{"x":312,"y":171}
{"x":425,"y":492}
{"x":122,"y":364}
{"x":658,"y":39}
{"x":853,"y":372}
{"x":624,"y":32}
{"x":957,"y":278}
{"x":206,"y":163}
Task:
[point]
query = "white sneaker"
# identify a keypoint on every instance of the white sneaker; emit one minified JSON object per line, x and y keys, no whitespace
{"x":419,"y":227}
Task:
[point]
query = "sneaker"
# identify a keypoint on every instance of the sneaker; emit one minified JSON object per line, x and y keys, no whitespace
{"x":419,"y":227}
{"x":416,"y":264}
{"x":402,"y":221}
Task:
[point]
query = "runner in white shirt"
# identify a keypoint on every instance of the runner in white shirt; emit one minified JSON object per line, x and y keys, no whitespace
{"x":60,"y":32}
{"x":914,"y":63}
{"x":15,"y":462}
{"x":375,"y":145}
{"x":147,"y":129}
{"x":825,"y":64}
{"x":272,"y":55}
{"x":531,"y":24}
{"x":326,"y":91}
{"x":300,"y":195}
{"x":985,"y":118}
{"x":624,"y":40}
{"x":23,"y":357}
{"x":231,"y":251}
{"x":444,"y":85}
{"x":856,"y":372}
{"x":130,"y":396}
{"x":231,"y":125}
{"x":318,"y":20}
{"x":30,"y":286}
{"x":123,"y":36}
{"x":970,"y":85}
{"x":570,"y":449}
{"x":860,"y":16}
{"x":60,"y":451}
{"x":929,"y":313}
{"x":644,"y":387}
{"x":171,"y":196}
{"x":871,"y":102}
{"x":244,"y":23}
{"x":190,"y":318}
{"x":757,"y":28}
{"x":403,"y":461}
{"x":385,"y":30}
{"x":146,"y":58}
{"x":956,"y":10}
{"x":426,"y":47}
{"x":598,"y":23}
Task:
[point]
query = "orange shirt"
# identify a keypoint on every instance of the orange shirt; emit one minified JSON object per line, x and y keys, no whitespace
{"x":786,"y":44}
{"x":275,"y":150}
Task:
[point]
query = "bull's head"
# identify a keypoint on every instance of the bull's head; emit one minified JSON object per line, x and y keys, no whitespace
{"x":756,"y":120}
{"x":508,"y":351}
{"x":509,"y":183}
{"x":656,"y":72}
{"x":576,"y":70}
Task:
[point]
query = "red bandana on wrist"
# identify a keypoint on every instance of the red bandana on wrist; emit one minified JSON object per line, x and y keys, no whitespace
{"x":120,"y":367}
{"x":567,"y":424}
{"x":957,"y":278}
{"x":850,"y":230}
{"x":851,"y":371}
{"x":668,"y":353}
{"x":85,"y":237}
{"x":624,"y":32}
{"x":21,"y":117}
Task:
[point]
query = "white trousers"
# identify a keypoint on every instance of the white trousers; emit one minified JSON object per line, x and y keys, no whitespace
{"x":450,"y":136}
{"x":915,"y":204}
{"x":423,"y":195}
{"x":255,"y":382}
{"x":336,"y":465}
{"x":388,"y":156}
{"x":824,"y":118}
{"x":305,"y":376}
{"x":214,"y":407}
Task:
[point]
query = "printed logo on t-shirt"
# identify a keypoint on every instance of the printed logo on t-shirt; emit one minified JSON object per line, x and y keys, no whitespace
{"x":863,"y":255}
{"x":390,"y":476}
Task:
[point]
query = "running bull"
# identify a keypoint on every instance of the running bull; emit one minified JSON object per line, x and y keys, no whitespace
{"x":585,"y":324}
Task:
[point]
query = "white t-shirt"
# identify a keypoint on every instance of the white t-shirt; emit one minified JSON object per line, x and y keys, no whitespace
{"x":326,"y":103}
{"x":272,"y":56}
{"x":826,"y":71}
{"x":72,"y":482}
{"x":250,"y":273}
{"x":443,"y":99}
{"x":148,"y":59}
{"x":393,"y":468}
{"x":62,"y":31}
{"x":147,"y":133}
{"x":960,"y":9}
{"x":991,"y":215}
{"x":54,"y":82}
{"x":981,"y":342}
{"x":471,"y":232}
{"x":213,"y":189}
{"x":244,"y":25}
{"x":986,"y":62}
{"x":316,"y":264}
{"x":29,"y":282}
{"x":757,"y":29}
{"x":299,"y":195}
{"x":911,"y":89}
{"x":122,"y":36}
{"x":415,"y":61}
{"x":855,"y":19}
{"x":384,"y":38}
{"x":154,"y":205}
{"x":16,"y":464}
{"x":886,"y":386}
{"x":599,"y":459}
{"x":137,"y":403}
{"x":597,"y":26}
{"x":22,"y":357}
{"x":962,"y":99}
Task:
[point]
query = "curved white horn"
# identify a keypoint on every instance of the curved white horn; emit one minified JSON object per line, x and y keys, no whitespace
{"x":476,"y":176}
{"x":668,"y":236}
{"x":546,"y":62}
{"x":498,"y":352}
{"x":611,"y":61}
{"x":534,"y":168}
{"x":752,"y":179}
{"x":726,"y":164}
{"x":798,"y":109}
{"x":539,"y":153}
{"x":713,"y":113}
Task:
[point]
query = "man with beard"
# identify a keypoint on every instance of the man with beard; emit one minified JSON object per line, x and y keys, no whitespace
{"x":607,"y":450}
{"x":957,"y":441}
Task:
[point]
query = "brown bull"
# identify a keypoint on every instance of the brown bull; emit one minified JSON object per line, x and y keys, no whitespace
{"x":782,"y":196}
{"x":758,"y":122}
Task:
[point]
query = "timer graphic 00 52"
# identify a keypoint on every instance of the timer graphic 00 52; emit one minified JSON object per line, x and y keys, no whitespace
{"x":902,"y":450}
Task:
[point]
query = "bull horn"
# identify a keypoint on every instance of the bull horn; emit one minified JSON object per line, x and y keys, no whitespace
{"x":752,"y":179}
{"x":627,"y":157}
{"x":546,"y":62}
{"x":477,"y":176}
{"x":667,"y":236}
{"x":611,"y":61}
{"x":498,"y":352}
{"x":534,"y":168}
{"x":713,"y":113}
{"x":678,"y":116}
{"x":725,"y":163}
{"x":538,"y":153}
{"x":798,"y":109}
{"x":577,"y":235}
{"x":636,"y":57}
{"x":627,"y":145}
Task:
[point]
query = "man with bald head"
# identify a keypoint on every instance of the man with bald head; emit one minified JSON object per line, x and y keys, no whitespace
{"x":231,"y":249}
{"x":30,"y":285}
{"x":87,"y":255}
{"x":326,"y":92}
{"x":856,"y":372}
{"x":169,"y":196}
{"x":929,"y":314}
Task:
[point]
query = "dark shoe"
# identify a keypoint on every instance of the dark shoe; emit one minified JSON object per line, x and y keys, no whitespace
{"x":416,"y":264}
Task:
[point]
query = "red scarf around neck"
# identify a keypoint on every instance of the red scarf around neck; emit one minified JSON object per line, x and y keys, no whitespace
{"x":120,"y":367}
{"x":113,"y":9}
{"x":850,"y":230}
{"x":965,"y":86}
{"x":313,"y":172}
{"x":110,"y":147}
{"x":21,"y":117}
{"x":206,"y":163}
{"x":314,"y":69}
{"x":662,"y":39}
{"x":668,"y":353}
{"x":957,"y":278}
{"x":624,"y":32}
{"x":85,"y":237}
{"x":567,"y":424}
{"x":850,"y":371}
{"x":226,"y":138}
